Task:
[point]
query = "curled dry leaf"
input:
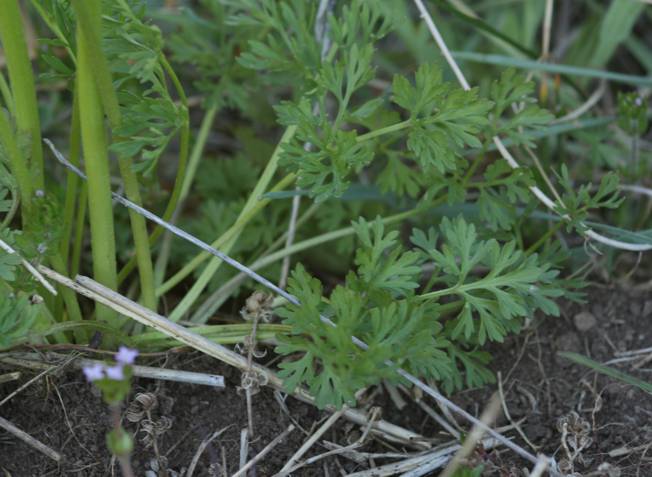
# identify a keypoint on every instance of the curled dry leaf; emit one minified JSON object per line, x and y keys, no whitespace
{"x":140,"y":406}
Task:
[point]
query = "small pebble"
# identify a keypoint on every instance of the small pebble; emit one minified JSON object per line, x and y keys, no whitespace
{"x":647,"y":308}
{"x":584,"y":321}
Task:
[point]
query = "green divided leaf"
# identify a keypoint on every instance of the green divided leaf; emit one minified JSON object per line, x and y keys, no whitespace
{"x":513,"y":287}
{"x":514,"y":89}
{"x":381,"y":264}
{"x":17,"y":315}
{"x":443,"y":119}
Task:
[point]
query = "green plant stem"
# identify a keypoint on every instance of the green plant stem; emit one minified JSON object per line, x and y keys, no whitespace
{"x":18,"y":166}
{"x":223,"y":334}
{"x":141,"y":238}
{"x":220,"y":242}
{"x":188,"y":177}
{"x":89,"y":21}
{"x":78,"y":243}
{"x":223,"y":292}
{"x":69,"y":299}
{"x":544,"y":238}
{"x":72,"y":181}
{"x":386,"y":130}
{"x":99,"y":185}
{"x":184,"y":146}
{"x":198,"y":149}
{"x":21,"y":78}
{"x":218,"y":297}
{"x":5,"y":91}
{"x":254,"y":199}
{"x":462,"y":288}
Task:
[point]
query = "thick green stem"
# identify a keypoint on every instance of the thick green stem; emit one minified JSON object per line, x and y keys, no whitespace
{"x":99,"y":186}
{"x":141,"y":239}
{"x":72,"y":181}
{"x":89,"y":14}
{"x":78,"y":243}
{"x":89,"y":20}
{"x":21,"y":78}
{"x":5,"y":91}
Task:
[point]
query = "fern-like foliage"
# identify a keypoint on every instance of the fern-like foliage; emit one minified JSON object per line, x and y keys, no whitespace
{"x":443,"y":118}
{"x":150,"y":115}
{"x":514,"y":285}
{"x":496,"y":287}
{"x":17,"y":316}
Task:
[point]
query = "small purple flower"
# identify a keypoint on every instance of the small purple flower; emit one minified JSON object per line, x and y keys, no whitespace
{"x":126,"y":355}
{"x":94,"y":372}
{"x":115,"y":372}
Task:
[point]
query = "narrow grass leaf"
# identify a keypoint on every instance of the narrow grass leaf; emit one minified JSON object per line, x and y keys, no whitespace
{"x":607,"y":371}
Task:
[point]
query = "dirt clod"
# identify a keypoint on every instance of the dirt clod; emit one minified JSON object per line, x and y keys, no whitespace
{"x":584,"y":321}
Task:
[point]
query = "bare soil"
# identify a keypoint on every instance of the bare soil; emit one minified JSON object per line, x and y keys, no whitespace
{"x":541,"y":390}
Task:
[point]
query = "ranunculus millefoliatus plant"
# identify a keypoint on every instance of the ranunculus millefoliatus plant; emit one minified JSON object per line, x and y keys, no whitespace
{"x":433,"y":244}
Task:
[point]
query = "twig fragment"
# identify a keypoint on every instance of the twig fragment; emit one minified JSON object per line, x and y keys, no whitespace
{"x":30,"y":268}
{"x":148,"y":372}
{"x":266,"y":450}
{"x":200,"y":450}
{"x":285,"y":470}
{"x":475,"y":436}
{"x":25,"y":437}
{"x":5,"y":378}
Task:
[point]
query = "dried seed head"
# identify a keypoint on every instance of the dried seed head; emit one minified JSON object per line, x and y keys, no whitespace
{"x":258,"y":306}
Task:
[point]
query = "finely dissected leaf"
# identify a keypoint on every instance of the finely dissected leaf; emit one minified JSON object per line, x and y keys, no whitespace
{"x":502,"y":189}
{"x":150,"y":116}
{"x":334,"y":153}
{"x":473,"y":366}
{"x":381,"y":264}
{"x":514,"y":285}
{"x":17,"y":316}
{"x":8,"y":264}
{"x":514,"y":89}
{"x":399,"y":178}
{"x":287,"y":46}
{"x":331,"y":365}
{"x":578,"y":201}
{"x":443,"y":119}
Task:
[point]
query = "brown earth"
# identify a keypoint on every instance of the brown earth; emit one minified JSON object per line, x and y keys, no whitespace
{"x":612,"y":420}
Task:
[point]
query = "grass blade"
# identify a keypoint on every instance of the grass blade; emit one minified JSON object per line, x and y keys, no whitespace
{"x":530,"y":65}
{"x":607,"y":371}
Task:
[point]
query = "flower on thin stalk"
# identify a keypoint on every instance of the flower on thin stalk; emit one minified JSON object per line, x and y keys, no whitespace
{"x":115,"y":372}
{"x":126,"y":355}
{"x":94,"y":372}
{"x":97,"y":371}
